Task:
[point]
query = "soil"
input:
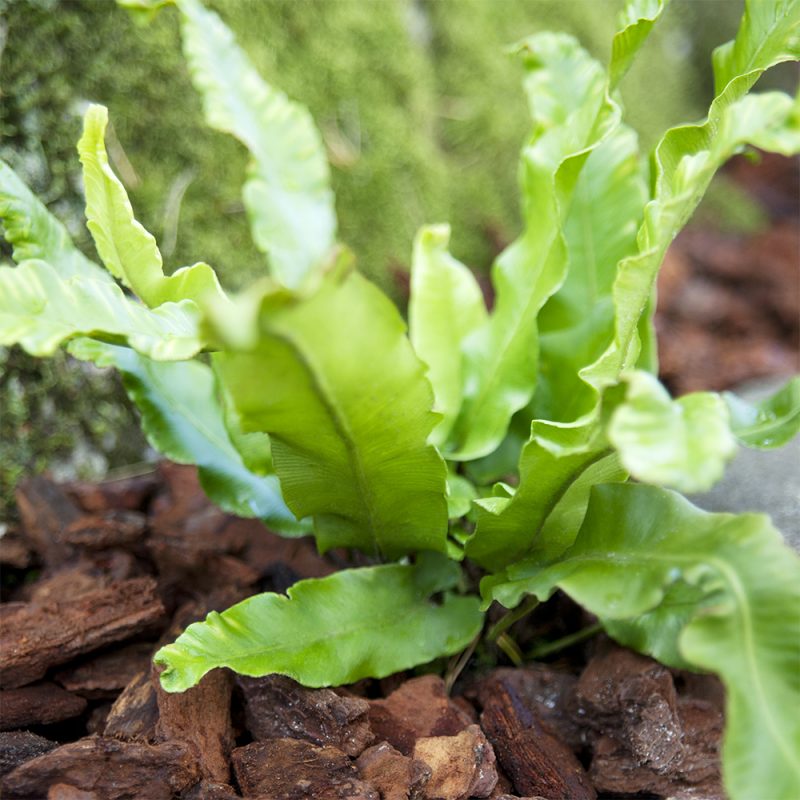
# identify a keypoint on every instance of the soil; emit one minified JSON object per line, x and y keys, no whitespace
{"x":82,"y":716}
{"x":96,"y":577}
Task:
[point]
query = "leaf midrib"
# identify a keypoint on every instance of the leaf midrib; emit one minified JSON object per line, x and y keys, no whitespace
{"x":340,"y":423}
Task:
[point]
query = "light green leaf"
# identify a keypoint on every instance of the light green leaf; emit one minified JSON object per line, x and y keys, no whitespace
{"x":573,"y":114}
{"x":771,"y":423}
{"x":566,"y":90}
{"x":686,"y":160}
{"x":509,"y":527}
{"x":287,"y":193}
{"x":683,"y":443}
{"x":446,"y":304}
{"x":636,"y":544}
{"x":129,"y":252}
{"x":334,"y":381}
{"x":182,"y":417}
{"x":39,"y":310}
{"x":36,"y":234}
{"x":577,"y":323}
{"x":636,"y":22}
{"x":460,"y":494}
{"x":354,"y":624}
{"x":769,"y":34}
{"x":564,"y":521}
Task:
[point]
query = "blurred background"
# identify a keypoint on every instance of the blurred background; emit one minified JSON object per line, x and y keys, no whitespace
{"x":422,"y":114}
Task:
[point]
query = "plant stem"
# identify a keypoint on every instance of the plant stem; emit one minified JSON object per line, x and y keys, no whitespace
{"x":510,"y":648}
{"x":452,"y":674}
{"x":507,"y":620}
{"x":548,"y":648}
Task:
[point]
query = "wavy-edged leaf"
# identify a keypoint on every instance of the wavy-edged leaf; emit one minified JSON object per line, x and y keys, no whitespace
{"x":182,"y":417}
{"x":566,"y":89}
{"x":353,"y":624}
{"x":577,"y":323}
{"x":684,"y":443}
{"x":509,"y":527}
{"x":769,"y":34}
{"x":636,"y":21}
{"x":35,"y":233}
{"x":639,"y":545}
{"x":127,"y":249}
{"x":39,"y":309}
{"x":446,"y":304}
{"x":573,"y":113}
{"x":335,"y":383}
{"x":770,"y":423}
{"x":686,"y":160}
{"x":287,"y":193}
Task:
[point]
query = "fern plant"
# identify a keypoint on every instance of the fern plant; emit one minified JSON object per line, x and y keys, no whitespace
{"x":306,"y":403}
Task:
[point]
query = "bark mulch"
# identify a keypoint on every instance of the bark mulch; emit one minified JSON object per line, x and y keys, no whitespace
{"x":729,"y":303}
{"x":97,"y":577}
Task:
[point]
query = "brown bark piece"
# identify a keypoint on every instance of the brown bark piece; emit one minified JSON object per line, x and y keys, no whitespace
{"x":461,"y":766}
{"x":39,"y":704}
{"x":45,"y":511}
{"x":112,"y":769}
{"x":209,"y":790}
{"x":550,"y":692}
{"x":130,"y":494}
{"x":395,"y":776}
{"x":634,"y":698}
{"x":648,"y":740}
{"x":15,"y":551}
{"x":61,"y":791}
{"x":419,"y":708}
{"x":68,"y":582}
{"x":106,"y":675}
{"x":104,"y":530}
{"x":134,"y":715}
{"x":35,"y":637}
{"x":533,"y":757}
{"x":17,"y":747}
{"x":277,"y":707}
{"x":201,"y":717}
{"x":291,"y":769}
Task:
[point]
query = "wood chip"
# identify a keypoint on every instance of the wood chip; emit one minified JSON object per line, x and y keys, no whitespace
{"x":419,"y":707}
{"x":395,"y":776}
{"x":201,"y":717}
{"x":462,"y":766}
{"x":134,"y":715}
{"x":551,"y":692}
{"x":15,"y":550}
{"x":106,"y":675}
{"x":291,"y":769}
{"x":39,"y":704}
{"x":209,"y":790}
{"x":45,"y":510}
{"x":112,"y":769}
{"x":647,"y":738}
{"x":17,"y":747}
{"x":533,"y":757}
{"x":103,"y":530}
{"x":35,"y":637}
{"x":130,"y":494}
{"x":277,"y":707}
{"x":62,"y":791}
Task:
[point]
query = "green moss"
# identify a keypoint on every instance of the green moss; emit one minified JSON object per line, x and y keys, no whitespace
{"x":420,"y":108}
